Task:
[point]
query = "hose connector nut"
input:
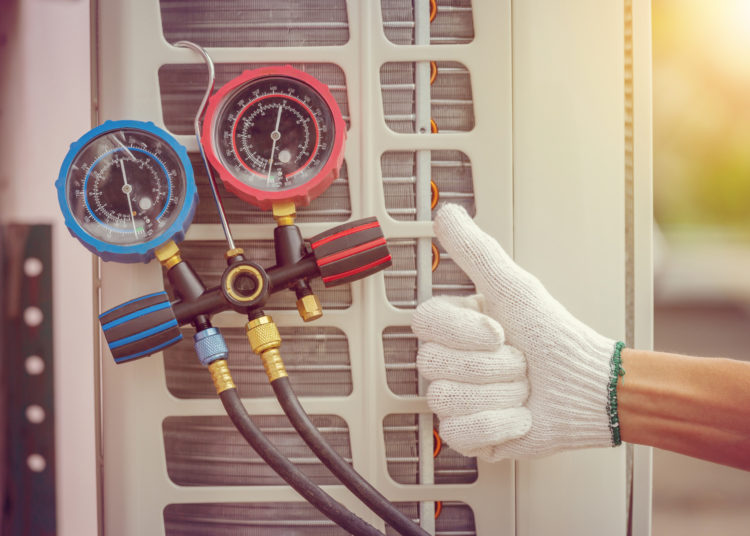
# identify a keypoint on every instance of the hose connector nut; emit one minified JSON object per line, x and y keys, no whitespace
{"x":263,"y":334}
{"x":210,"y":346}
{"x":309,"y":308}
{"x":168,"y":254}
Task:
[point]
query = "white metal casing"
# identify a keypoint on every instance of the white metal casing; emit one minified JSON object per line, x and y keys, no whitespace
{"x":548,"y":154}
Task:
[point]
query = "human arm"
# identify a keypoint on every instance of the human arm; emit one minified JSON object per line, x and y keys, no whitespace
{"x":691,"y":405}
{"x":516,"y":375}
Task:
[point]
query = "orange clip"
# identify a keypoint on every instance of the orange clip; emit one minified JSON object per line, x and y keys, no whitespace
{"x":438,"y":443}
{"x":435,"y":194}
{"x":433,"y":72}
{"x":435,"y":257}
{"x":438,"y":508}
{"x":433,"y":126}
{"x":433,"y":10}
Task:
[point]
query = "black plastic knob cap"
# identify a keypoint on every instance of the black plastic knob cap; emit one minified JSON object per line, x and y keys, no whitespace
{"x":350,"y":251}
{"x":140,"y":327}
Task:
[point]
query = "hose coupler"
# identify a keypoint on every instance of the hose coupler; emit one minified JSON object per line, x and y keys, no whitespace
{"x":220,"y":375}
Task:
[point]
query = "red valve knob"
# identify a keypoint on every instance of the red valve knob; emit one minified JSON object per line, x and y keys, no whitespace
{"x":350,"y":251}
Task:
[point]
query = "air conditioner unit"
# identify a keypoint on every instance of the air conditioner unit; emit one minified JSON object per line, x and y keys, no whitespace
{"x":534,"y":115}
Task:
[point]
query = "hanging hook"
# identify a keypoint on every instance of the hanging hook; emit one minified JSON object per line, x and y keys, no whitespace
{"x":197,"y":125}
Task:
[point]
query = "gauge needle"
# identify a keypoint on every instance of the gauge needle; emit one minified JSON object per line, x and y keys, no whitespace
{"x":275,"y":135}
{"x":126,"y":189}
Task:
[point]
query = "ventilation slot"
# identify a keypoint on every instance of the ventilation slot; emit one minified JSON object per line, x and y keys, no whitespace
{"x":402,"y":454}
{"x":333,"y":205}
{"x":451,"y":104}
{"x":239,"y":23}
{"x":452,"y":25}
{"x":298,"y":519}
{"x":400,"y":349}
{"x":182,"y":88}
{"x":401,"y":278}
{"x":207,"y":259}
{"x":451,"y":518}
{"x":209,"y":451}
{"x":317,"y":360}
{"x":248,"y":519}
{"x":450,"y":173}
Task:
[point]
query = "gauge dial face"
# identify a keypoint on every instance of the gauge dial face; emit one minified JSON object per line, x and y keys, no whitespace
{"x":125,"y":187}
{"x":275,"y":134}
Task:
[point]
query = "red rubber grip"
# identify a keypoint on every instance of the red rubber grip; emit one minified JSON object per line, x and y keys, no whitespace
{"x":350,"y":252}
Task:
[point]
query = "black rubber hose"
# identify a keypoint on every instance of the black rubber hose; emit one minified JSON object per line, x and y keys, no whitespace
{"x":337,"y":465}
{"x":310,"y":491}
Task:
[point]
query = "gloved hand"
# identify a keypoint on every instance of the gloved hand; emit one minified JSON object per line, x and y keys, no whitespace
{"x":514,"y":374}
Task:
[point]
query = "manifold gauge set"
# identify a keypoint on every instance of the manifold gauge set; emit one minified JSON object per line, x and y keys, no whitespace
{"x":275,"y":136}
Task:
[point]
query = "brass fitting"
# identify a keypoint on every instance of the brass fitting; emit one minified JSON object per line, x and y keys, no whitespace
{"x":309,"y":308}
{"x":220,"y":375}
{"x":233,"y":253}
{"x":263,"y":334}
{"x":284,"y":212}
{"x":237,"y":271}
{"x":273,"y":364}
{"x":168,"y":254}
{"x":265,"y":341}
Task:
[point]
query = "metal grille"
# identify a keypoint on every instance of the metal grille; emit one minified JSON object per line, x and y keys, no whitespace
{"x":182,"y":87}
{"x":401,"y":434}
{"x":453,"y":24}
{"x":333,"y":205}
{"x":249,"y":23}
{"x":401,"y":278}
{"x":317,"y":359}
{"x":400,"y":350}
{"x":245,"y":519}
{"x":292,"y":519}
{"x":451,"y":104}
{"x":207,"y":259}
{"x":452,"y":518}
{"x":450,"y":171}
{"x":209,"y":451}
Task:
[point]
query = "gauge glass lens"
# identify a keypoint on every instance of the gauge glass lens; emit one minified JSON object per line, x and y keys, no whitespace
{"x":126,"y":186}
{"x":274,"y":133}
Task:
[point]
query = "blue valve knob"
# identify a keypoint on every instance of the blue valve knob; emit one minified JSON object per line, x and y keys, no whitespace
{"x":210,"y":346}
{"x":140,"y":327}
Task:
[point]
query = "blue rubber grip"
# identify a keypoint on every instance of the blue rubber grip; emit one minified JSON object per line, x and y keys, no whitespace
{"x":140,"y":327}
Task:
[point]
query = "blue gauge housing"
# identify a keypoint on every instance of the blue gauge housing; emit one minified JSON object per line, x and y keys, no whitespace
{"x":120,"y":215}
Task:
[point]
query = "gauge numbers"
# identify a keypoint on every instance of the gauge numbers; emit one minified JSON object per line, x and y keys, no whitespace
{"x":125,"y":186}
{"x":275,"y":133}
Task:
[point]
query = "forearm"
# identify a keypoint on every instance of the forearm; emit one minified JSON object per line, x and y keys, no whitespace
{"x":694,"y":406}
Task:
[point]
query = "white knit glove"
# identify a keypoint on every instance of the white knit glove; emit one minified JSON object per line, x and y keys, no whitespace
{"x":493,"y":403}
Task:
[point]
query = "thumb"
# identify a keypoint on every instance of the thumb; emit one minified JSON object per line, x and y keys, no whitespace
{"x":478,"y":254}
{"x":512,"y":293}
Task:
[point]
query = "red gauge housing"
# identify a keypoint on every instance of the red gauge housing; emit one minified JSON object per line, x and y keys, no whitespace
{"x":275,"y":134}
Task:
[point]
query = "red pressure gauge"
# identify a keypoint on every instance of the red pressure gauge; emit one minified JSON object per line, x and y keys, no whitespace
{"x":274,"y":134}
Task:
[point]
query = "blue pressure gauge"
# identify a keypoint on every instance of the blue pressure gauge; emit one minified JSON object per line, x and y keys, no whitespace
{"x":126,"y":188}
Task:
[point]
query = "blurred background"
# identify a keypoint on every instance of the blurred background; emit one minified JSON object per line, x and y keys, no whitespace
{"x":701,"y":108}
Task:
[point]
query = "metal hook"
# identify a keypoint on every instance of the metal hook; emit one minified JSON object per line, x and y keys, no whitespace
{"x":197,"y":125}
